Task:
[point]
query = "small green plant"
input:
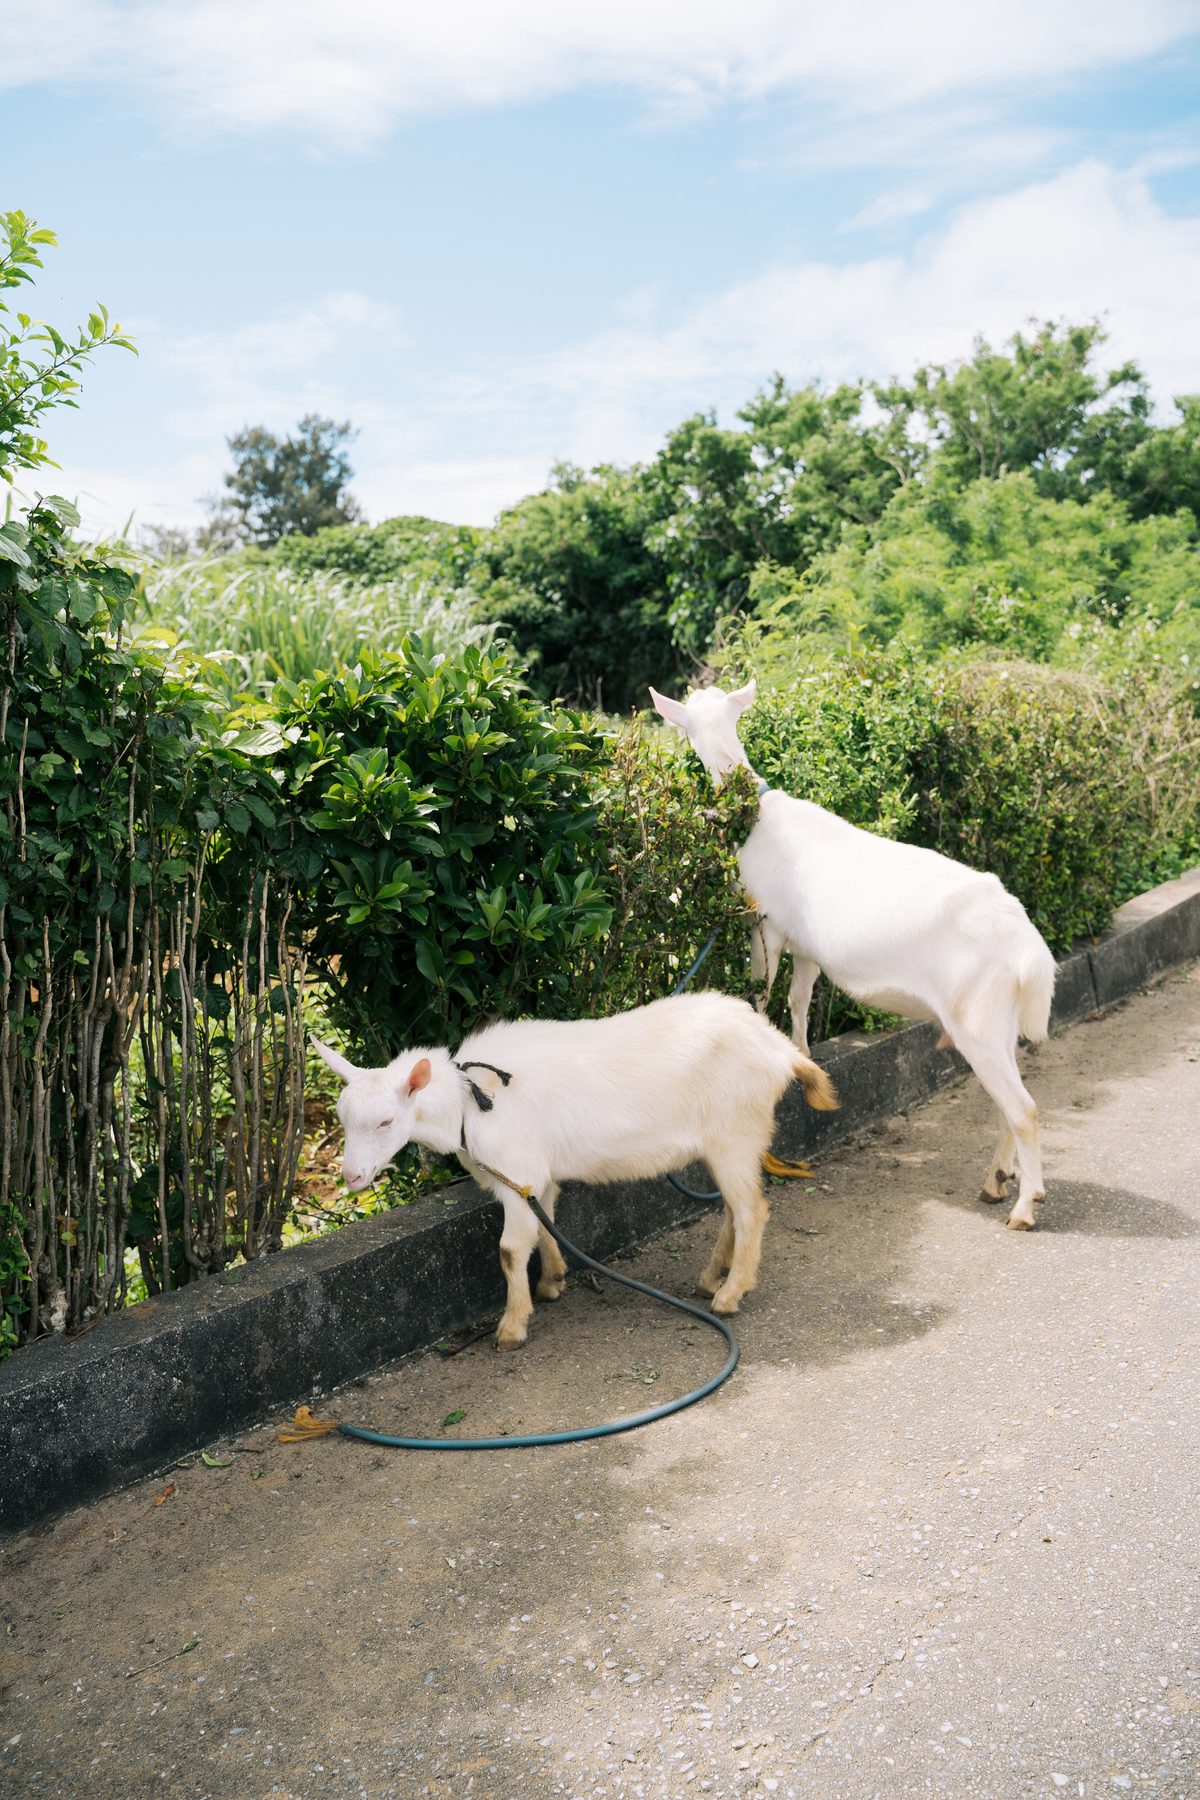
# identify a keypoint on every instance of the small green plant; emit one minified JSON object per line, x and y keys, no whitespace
{"x":14,"y":1275}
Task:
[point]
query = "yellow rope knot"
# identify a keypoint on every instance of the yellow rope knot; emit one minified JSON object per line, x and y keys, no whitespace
{"x":789,"y":1171}
{"x":305,"y":1426}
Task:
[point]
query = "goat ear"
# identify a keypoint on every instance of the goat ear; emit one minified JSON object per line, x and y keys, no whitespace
{"x":339,"y":1064}
{"x":419,"y":1076}
{"x":674,"y":711}
{"x":743,"y":697}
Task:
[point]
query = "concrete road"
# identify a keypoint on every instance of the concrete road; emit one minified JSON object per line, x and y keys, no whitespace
{"x":939,"y":1535}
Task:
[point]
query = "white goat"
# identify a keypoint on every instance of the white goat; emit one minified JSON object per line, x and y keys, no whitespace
{"x":693,"y":1078}
{"x":895,"y":926}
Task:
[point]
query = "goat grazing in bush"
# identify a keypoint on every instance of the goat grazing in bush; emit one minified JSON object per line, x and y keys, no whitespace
{"x":895,"y":926}
{"x":693,"y":1078}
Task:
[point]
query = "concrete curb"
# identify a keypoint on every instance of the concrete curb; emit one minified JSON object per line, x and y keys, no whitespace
{"x":79,"y":1418}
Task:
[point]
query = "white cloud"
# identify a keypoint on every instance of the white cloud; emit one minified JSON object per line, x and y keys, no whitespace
{"x":347,"y":72}
{"x":465,"y":490}
{"x":888,"y":209}
{"x":209,"y":384}
{"x":271,"y":371}
{"x":1089,"y":242}
{"x":1092,"y":241}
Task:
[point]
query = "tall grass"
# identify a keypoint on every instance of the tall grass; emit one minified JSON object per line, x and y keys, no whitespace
{"x":254,"y":622}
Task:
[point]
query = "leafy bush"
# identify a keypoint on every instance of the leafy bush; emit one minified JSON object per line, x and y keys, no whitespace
{"x":572,"y":581}
{"x":669,"y":852}
{"x":998,"y":565}
{"x":407,"y":546}
{"x":845,"y":734}
{"x":439,"y":826}
{"x":1076,"y":791}
{"x":39,"y":366}
{"x":148,"y":1069}
{"x":1075,"y":794}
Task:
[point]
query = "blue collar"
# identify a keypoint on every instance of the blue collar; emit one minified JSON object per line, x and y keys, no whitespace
{"x":764,"y":787}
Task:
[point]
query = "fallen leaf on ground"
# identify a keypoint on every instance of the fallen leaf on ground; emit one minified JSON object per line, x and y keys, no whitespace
{"x":165,"y":1495}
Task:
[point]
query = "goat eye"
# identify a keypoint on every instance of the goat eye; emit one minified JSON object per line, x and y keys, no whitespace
{"x":386,"y":1124}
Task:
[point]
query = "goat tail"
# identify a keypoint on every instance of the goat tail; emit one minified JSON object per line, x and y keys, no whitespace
{"x":1035,"y":991}
{"x":819,"y":1091}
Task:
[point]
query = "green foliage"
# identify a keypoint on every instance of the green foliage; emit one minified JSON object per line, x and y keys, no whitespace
{"x":125,"y":1022}
{"x":845,"y":734}
{"x":408,"y":547}
{"x":1040,"y":408}
{"x":669,"y":849}
{"x":439,"y":830}
{"x":1077,"y":792}
{"x":39,"y":367}
{"x":251,"y":621}
{"x":778,"y":491}
{"x":1075,"y":795}
{"x":14,"y":1276}
{"x":995,"y":564}
{"x":282,"y":485}
{"x":1019,"y":500}
{"x":570,"y":580}
{"x":1161,"y":471}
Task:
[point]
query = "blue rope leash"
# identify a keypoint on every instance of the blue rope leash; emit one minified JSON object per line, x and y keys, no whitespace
{"x":307,"y":1427}
{"x":582,"y":1434}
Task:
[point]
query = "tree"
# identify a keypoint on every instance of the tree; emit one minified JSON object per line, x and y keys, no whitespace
{"x":1162,"y":472}
{"x":1036,"y":406}
{"x":570,"y":577}
{"x":281,"y":486}
{"x":808,"y":463}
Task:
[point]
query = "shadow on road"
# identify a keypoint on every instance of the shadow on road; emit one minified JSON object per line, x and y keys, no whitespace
{"x":1092,"y":1210}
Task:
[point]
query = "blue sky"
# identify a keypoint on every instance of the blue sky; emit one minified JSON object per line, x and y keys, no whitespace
{"x":498,"y":234}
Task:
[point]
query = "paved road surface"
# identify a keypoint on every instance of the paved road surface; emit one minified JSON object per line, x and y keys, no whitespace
{"x":939,"y":1536}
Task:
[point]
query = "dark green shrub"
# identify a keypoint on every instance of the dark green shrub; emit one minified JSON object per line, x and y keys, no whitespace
{"x":1075,"y":794}
{"x":845,"y":733}
{"x":571,"y":580}
{"x":668,"y":846}
{"x":408,"y":545}
{"x":441,"y":834}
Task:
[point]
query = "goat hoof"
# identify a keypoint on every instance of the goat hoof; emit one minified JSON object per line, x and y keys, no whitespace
{"x":510,"y":1340}
{"x":990,"y":1199}
{"x":725,"y":1304}
{"x":706,"y":1285}
{"x":550,"y":1290}
{"x":1016,"y":1222}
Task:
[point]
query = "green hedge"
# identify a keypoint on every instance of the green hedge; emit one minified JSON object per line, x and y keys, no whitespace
{"x":1075,"y":793}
